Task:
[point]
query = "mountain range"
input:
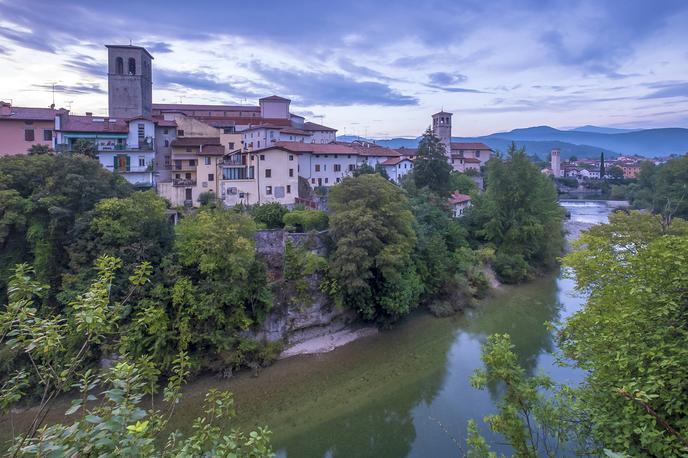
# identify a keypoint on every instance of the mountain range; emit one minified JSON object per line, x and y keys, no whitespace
{"x":585,"y":141}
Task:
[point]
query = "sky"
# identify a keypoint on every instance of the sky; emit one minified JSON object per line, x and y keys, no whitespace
{"x":371,"y":68}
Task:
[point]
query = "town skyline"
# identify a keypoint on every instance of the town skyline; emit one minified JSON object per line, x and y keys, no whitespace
{"x":370,"y":70}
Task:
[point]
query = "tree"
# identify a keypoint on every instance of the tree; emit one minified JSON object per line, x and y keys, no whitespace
{"x":615,"y":172}
{"x":305,"y":220}
{"x":519,"y":215}
{"x":270,"y":215}
{"x":603,"y":172}
{"x":40,"y":149}
{"x":573,"y":158}
{"x":663,"y":188}
{"x":363,"y":169}
{"x":85,"y":147}
{"x":463,"y":183}
{"x":372,"y":228}
{"x":431,"y":168}
{"x":118,"y":425}
{"x":630,"y":337}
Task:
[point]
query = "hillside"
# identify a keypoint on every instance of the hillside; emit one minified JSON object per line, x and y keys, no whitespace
{"x":586,"y":141}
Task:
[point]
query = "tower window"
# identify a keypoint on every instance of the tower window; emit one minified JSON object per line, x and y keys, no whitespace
{"x":132,"y":66}
{"x":119,"y":66}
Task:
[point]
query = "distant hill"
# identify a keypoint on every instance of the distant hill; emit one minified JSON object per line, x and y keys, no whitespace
{"x":586,"y":141}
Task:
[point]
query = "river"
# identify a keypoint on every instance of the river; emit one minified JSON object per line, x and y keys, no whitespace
{"x":406,"y":391}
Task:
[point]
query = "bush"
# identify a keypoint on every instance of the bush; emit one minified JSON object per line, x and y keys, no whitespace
{"x":511,"y":268}
{"x":269,"y":214}
{"x":305,"y":220}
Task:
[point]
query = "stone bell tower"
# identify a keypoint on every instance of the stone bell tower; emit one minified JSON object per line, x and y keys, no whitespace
{"x":441,"y":128}
{"x":130,"y":86}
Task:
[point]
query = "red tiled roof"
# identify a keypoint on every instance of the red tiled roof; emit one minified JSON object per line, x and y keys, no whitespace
{"x":212,"y":150}
{"x":374,"y":150}
{"x":469,"y":146}
{"x":293,"y":131}
{"x":318,"y":127}
{"x":195,"y":141}
{"x":457,"y":198}
{"x":30,"y":114}
{"x":130,"y":47}
{"x":315,"y":148}
{"x":72,"y":123}
{"x":182,"y":107}
{"x":471,"y":160}
{"x":404,"y":151}
{"x":395,"y":160}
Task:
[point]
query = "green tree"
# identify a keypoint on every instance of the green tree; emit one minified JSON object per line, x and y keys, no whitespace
{"x":85,"y":147}
{"x":663,"y":188}
{"x":519,"y":215}
{"x":40,"y":149}
{"x":305,"y":220}
{"x":615,"y":172}
{"x":463,"y":183}
{"x":270,"y":215}
{"x":603,"y":172}
{"x":630,"y":337}
{"x":372,"y":228}
{"x":431,"y":168}
{"x":363,"y":169}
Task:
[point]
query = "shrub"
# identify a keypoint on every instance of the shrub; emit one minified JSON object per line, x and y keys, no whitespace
{"x":305,"y":220}
{"x":269,"y":214}
{"x":511,"y":268}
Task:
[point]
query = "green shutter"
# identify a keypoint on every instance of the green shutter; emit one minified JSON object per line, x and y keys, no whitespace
{"x":128,"y":162}
{"x":115,"y":165}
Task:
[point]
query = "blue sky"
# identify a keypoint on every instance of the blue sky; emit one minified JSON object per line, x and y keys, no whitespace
{"x":369,"y":67}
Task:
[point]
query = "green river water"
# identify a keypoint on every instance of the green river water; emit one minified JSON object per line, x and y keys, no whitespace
{"x":404,"y":392}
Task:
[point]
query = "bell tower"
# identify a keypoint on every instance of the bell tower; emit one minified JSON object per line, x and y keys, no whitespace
{"x":555,"y":160}
{"x":441,"y":128}
{"x":130,"y":86}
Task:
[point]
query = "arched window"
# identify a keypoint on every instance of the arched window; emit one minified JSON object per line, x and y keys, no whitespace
{"x":132,"y":66}
{"x":119,"y":66}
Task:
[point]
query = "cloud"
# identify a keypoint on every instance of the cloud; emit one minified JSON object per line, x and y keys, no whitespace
{"x":329,"y":88}
{"x":79,"y":89}
{"x":197,"y":80}
{"x":446,"y":79}
{"x":4,"y":51}
{"x":87,"y":65}
{"x":157,"y":47}
{"x":667,"y":89}
{"x":27,"y":39}
{"x":413,"y":61}
{"x":349,"y":66}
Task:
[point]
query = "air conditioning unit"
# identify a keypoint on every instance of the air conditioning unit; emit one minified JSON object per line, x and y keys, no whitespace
{"x":242,"y":195}
{"x":232,"y":191}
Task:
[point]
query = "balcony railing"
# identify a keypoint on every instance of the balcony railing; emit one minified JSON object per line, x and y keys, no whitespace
{"x":183,"y":182}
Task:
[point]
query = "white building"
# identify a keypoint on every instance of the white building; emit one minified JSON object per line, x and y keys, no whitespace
{"x":459,"y":204}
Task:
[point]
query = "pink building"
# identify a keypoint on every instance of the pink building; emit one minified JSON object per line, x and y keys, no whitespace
{"x":22,"y":127}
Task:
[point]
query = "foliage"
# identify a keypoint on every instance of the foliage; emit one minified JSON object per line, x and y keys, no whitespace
{"x":305,"y":220}
{"x":463,"y":183}
{"x":270,"y":215}
{"x":209,"y":199}
{"x":41,"y":198}
{"x":603,"y":172}
{"x":299,"y":263}
{"x":630,"y":337}
{"x":39,"y":149}
{"x":615,"y":172}
{"x":519,"y":215}
{"x":662,"y":188}
{"x":363,"y":169}
{"x":85,"y":147}
{"x":372,"y":227}
{"x":568,"y":181}
{"x":533,"y":421}
{"x":431,"y":168}
{"x":118,"y":425}
{"x":618,"y":192}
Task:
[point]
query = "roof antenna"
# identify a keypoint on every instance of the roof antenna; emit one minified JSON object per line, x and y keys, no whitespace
{"x":129,"y":41}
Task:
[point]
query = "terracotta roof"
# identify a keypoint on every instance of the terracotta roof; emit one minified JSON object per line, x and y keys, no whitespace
{"x":315,"y":148}
{"x":293,"y":131}
{"x":469,"y":146}
{"x":443,"y":113}
{"x":72,"y":123}
{"x":471,"y":160}
{"x":212,"y":150}
{"x":374,"y":150}
{"x":182,"y":106}
{"x":274,"y":98}
{"x":31,"y":114}
{"x":195,"y":141}
{"x":395,"y":160}
{"x":457,"y":198}
{"x":404,"y":151}
{"x":313,"y":126}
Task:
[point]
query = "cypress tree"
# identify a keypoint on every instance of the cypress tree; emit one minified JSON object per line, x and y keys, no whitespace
{"x":602,"y":171}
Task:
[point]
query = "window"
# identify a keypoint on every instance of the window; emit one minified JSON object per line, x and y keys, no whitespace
{"x":166,"y":131}
{"x":142,"y":161}
{"x":477,"y":154}
{"x":268,"y":173}
{"x":317,"y":155}
{"x":272,"y":134}
{"x":180,"y":133}
{"x":291,"y":172}
{"x":119,"y":66}
{"x":258,"y":143}
{"x":288,"y":189}
{"x":228,"y":130}
{"x":325,"y":167}
{"x":291,"y":157}
{"x":312,"y":180}
{"x":348,"y":156}
{"x":167,"y":143}
{"x":352,"y":167}
{"x":206,"y":160}
{"x":188,"y":149}
{"x":187,"y":175}
{"x":262,"y":157}
{"x":192,"y":162}
{"x":268,"y":190}
{"x":211,"y":177}
{"x":47,"y":135}
{"x":231,"y":145}
{"x":28,"y":135}
{"x":142,"y":131}
{"x":132,"y":66}
{"x":325,"y":155}
{"x":317,"y":167}
{"x":338,"y":180}
{"x":250,"y":172}
{"x":167,"y":161}
{"x":177,"y":164}
{"x":326,"y":179}
{"x":279,"y":192}
{"x":338,"y":167}
{"x":177,"y":176}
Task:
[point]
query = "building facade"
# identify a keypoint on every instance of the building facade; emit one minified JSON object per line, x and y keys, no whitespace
{"x":22,"y":127}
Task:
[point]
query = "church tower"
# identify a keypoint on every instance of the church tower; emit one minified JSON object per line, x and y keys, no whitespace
{"x":130,"y":86}
{"x":556,"y":162}
{"x":441,"y":128}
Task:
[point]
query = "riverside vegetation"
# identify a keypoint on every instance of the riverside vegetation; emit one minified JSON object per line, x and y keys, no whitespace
{"x":92,"y":269}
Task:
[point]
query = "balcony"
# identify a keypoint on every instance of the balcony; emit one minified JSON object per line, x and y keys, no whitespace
{"x":183,"y":182}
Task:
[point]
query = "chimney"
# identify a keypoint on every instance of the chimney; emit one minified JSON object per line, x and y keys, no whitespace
{"x":5,"y":108}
